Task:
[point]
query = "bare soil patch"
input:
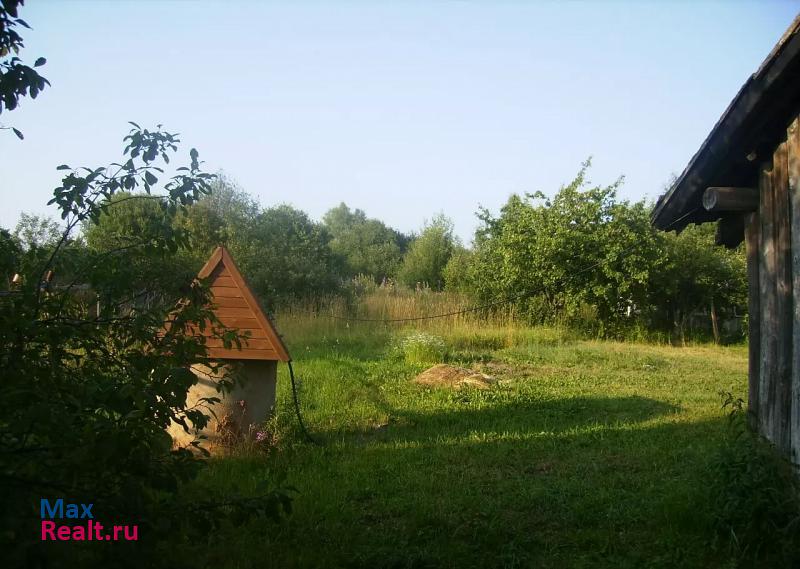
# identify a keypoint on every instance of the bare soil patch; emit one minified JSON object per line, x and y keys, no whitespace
{"x":443,"y":375}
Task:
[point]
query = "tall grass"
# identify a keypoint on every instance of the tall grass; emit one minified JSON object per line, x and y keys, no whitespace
{"x":400,"y":303}
{"x":372,"y":315}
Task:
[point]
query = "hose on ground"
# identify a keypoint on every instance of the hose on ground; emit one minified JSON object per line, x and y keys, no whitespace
{"x":297,"y":408}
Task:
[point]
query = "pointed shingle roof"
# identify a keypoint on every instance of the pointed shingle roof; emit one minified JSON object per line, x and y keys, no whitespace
{"x":237,"y":308}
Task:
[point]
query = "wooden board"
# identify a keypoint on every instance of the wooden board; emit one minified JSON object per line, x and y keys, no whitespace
{"x":793,"y":180}
{"x":239,"y":322}
{"x":783,"y":301}
{"x":247,"y":343}
{"x":252,"y":332}
{"x":224,"y":281}
{"x":225,"y":292}
{"x":234,"y":312}
{"x":249,"y":332}
{"x":751,"y":231}
{"x":224,"y":354}
{"x":230,"y":302}
{"x":768,"y":294}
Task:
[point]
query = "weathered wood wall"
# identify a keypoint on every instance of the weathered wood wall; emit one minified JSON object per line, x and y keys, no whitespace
{"x":751,"y":239}
{"x":793,"y":183}
{"x":772,"y":237}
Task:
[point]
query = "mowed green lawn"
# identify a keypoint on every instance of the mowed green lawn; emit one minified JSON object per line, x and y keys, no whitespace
{"x":585,"y":454}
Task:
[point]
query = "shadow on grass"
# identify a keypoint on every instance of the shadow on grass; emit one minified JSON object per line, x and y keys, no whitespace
{"x":563,"y":483}
{"x":472,"y":414}
{"x":615,"y":497}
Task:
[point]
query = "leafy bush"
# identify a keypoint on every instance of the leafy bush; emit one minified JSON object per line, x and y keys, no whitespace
{"x":428,"y":255}
{"x":89,"y":393}
{"x":17,"y":80}
{"x":365,"y":246}
{"x":361,"y":285}
{"x":457,"y":273}
{"x":756,"y":497}
{"x":421,"y":348}
{"x":592,"y":261}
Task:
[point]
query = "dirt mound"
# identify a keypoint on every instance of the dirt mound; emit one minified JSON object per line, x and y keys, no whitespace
{"x":442,"y":375}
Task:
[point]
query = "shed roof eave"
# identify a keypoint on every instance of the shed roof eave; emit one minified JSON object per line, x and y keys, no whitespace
{"x":772,"y":91}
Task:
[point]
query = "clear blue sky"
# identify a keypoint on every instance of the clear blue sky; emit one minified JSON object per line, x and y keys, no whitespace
{"x":403,"y":109}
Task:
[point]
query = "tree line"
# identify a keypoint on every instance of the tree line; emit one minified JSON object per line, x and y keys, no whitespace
{"x":583,"y":257}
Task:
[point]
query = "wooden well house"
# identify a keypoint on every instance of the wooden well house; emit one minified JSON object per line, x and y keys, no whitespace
{"x":746,"y":178}
{"x":256,"y":361}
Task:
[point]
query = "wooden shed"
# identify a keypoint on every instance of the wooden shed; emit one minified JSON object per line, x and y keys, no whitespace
{"x":746,"y":178}
{"x":251,"y":401}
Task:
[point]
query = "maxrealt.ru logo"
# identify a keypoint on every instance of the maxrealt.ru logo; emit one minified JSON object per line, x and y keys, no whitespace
{"x":86,"y":528}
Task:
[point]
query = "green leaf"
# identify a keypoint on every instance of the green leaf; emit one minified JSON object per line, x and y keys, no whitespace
{"x":39,"y":62}
{"x":18,"y":133}
{"x":150,"y":178}
{"x":63,"y":167}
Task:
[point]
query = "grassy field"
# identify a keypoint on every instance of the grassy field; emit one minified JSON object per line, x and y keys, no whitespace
{"x":585,"y":454}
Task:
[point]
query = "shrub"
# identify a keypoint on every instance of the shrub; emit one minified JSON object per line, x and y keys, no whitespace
{"x":421,"y":348}
{"x":90,"y":393}
{"x":361,"y":285}
{"x":428,"y":255}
